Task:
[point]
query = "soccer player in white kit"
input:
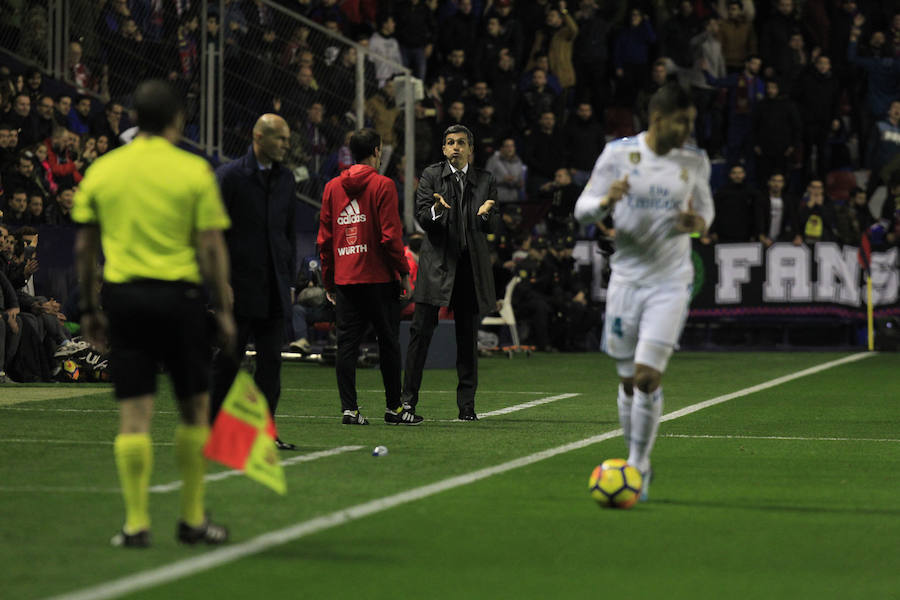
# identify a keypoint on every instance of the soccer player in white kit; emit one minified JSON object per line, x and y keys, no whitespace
{"x":657,"y":189}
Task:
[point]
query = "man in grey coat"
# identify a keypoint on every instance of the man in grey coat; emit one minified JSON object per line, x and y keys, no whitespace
{"x":508,"y":170}
{"x":454,"y":205}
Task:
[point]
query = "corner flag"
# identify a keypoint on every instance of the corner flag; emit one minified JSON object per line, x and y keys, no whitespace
{"x":864,"y":255}
{"x":243,"y":436}
{"x":865,"y":261}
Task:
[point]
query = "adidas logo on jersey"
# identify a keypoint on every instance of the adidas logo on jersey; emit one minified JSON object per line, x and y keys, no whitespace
{"x":351,"y":214}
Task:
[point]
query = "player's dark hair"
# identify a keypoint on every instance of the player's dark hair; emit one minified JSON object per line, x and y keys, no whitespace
{"x":459,"y":129}
{"x":157,"y":105}
{"x":363,"y":143}
{"x":670,"y":98}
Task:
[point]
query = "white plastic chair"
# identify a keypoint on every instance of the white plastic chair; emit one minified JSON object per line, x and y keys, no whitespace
{"x":507,"y":317}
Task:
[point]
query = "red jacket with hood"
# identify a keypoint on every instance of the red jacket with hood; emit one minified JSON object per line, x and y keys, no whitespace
{"x":360,"y":233}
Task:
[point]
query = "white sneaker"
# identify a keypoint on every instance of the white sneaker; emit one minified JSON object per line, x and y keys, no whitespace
{"x":68,"y":347}
{"x":302,"y":345}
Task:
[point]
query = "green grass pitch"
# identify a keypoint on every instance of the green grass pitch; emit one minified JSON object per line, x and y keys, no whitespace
{"x":789,"y":492}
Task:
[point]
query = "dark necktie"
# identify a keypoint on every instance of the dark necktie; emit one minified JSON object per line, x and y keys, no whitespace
{"x":461,"y":210}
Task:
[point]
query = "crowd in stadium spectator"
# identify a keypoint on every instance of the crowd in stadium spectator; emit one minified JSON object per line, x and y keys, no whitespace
{"x":798,"y":107}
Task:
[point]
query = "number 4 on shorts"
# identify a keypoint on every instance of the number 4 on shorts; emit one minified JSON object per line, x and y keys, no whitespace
{"x":617,"y":327}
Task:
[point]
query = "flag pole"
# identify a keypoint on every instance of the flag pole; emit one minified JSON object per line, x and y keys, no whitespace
{"x":864,"y":256}
{"x":869,"y":311}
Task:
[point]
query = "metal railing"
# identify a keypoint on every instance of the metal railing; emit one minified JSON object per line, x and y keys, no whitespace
{"x":232,"y":61}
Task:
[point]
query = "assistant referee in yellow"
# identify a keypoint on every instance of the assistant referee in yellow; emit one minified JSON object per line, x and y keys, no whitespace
{"x":157,"y":212}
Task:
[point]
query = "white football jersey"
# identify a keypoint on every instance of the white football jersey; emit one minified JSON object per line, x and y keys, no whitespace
{"x":648,"y":248}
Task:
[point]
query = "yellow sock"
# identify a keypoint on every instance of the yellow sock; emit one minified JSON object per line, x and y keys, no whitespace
{"x":134,"y":459}
{"x":189,"y":442}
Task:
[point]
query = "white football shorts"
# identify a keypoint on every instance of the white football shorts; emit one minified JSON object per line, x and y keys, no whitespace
{"x":643,"y":323}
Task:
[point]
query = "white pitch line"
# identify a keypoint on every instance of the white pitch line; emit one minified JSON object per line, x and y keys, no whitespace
{"x":174,"y":485}
{"x":778,"y":438}
{"x":421,"y":393}
{"x":765,"y":385}
{"x":524,"y":405}
{"x":215,"y":558}
{"x":511,"y":409}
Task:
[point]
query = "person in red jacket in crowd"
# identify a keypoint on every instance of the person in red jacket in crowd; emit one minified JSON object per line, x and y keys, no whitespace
{"x":361,"y":249}
{"x":64,"y":166}
{"x":411,"y":251}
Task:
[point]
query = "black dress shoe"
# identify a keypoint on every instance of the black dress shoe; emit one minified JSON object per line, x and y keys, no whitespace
{"x":468,"y":416}
{"x":284,"y":445}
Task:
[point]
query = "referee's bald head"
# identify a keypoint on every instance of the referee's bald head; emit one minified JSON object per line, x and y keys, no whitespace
{"x":158,"y":106}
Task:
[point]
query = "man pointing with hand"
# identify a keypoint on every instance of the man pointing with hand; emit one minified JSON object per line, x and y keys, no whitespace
{"x":454,"y":205}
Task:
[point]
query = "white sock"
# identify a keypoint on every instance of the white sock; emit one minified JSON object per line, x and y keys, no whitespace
{"x":645,"y":415}
{"x":625,"y":401}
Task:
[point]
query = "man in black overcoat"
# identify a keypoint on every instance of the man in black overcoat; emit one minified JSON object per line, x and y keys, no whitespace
{"x":258,"y":192}
{"x":454,"y":205}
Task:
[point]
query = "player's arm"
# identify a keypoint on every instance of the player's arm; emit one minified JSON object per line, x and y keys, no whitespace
{"x":701,"y":209}
{"x":602,"y":191}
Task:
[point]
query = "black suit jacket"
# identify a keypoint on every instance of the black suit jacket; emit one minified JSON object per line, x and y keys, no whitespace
{"x":262,"y":240}
{"x":440,"y":248}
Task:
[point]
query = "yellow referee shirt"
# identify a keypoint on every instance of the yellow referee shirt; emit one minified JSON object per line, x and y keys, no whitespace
{"x":150,"y":199}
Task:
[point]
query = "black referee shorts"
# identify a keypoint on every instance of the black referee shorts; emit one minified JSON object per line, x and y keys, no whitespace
{"x":153,"y":323}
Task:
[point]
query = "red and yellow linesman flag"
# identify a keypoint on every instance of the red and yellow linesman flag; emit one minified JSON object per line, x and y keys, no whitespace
{"x":243,"y":436}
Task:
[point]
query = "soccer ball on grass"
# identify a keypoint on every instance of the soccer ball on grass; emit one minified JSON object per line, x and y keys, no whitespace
{"x":615,"y":484}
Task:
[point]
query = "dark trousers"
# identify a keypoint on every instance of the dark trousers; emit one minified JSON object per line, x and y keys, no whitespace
{"x":268,"y":336}
{"x":815,"y":136}
{"x":534,"y":308}
{"x":357,"y":307}
{"x":9,"y":341}
{"x":425,"y":318}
